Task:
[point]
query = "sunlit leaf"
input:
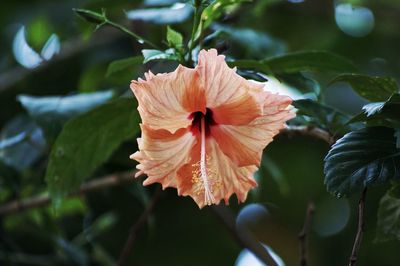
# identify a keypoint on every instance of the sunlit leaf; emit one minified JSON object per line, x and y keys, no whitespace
{"x":388,"y":225}
{"x":51,"y":112}
{"x":22,"y":143}
{"x":212,"y":12}
{"x":370,"y":87}
{"x":361,"y":158}
{"x":381,"y":113}
{"x":159,"y":2}
{"x":356,"y":21}
{"x":174,"y":38}
{"x":11,"y":141}
{"x":51,"y":47}
{"x":23,"y":53}
{"x":177,"y":13}
{"x":150,"y":55}
{"x":86,"y":142}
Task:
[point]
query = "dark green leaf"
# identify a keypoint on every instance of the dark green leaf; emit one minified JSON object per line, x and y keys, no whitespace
{"x":126,"y":64}
{"x":320,"y":114}
{"x":90,"y":16}
{"x":381,"y":113}
{"x":300,"y":82}
{"x":251,"y":64}
{"x":86,"y":142}
{"x":51,"y":112}
{"x":309,"y":61}
{"x":150,"y":55}
{"x":174,"y":38}
{"x":388,"y":224}
{"x":177,"y":13}
{"x":299,"y":61}
{"x":364,"y":157}
{"x":250,"y":43}
{"x":370,"y":87}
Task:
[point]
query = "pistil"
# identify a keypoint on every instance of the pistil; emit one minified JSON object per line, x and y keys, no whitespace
{"x":208,"y":196}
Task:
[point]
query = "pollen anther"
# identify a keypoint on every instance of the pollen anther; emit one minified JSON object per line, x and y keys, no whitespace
{"x":204,"y":177}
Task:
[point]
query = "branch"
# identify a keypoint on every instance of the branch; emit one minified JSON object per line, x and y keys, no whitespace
{"x":123,"y":258}
{"x":360,"y":229}
{"x":310,"y":131}
{"x":39,"y":201}
{"x":303,"y":235}
{"x":243,"y":237}
{"x":116,"y":179}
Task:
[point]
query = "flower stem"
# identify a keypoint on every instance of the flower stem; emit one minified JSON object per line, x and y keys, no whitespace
{"x":303,"y":235}
{"x":360,"y":229}
{"x":130,"y":33}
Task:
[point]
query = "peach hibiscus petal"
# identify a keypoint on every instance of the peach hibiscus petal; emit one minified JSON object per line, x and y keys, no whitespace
{"x":162,"y":154}
{"x":233,"y":99}
{"x":244,"y":144}
{"x":225,"y":177}
{"x":167,"y":100}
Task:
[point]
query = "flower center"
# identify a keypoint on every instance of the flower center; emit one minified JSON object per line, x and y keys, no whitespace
{"x":196,"y":122}
{"x":204,"y":176}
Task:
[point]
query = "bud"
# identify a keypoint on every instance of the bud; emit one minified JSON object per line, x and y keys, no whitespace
{"x":90,"y":16}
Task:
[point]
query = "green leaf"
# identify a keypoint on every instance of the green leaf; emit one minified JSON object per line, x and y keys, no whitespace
{"x":371,"y":88}
{"x":388,"y":224}
{"x":251,"y":64}
{"x":299,"y":61}
{"x":86,"y":142}
{"x":381,"y":113}
{"x":150,"y":55}
{"x":174,"y":38}
{"x":212,"y":12}
{"x":321,"y":115}
{"x":176,"y":13}
{"x":126,"y":64}
{"x":90,"y":16}
{"x":361,"y":158}
{"x":300,"y":82}
{"x":248,"y":42}
{"x":51,"y":112}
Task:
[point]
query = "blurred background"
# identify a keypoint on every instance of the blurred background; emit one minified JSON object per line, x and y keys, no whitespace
{"x":46,"y":50}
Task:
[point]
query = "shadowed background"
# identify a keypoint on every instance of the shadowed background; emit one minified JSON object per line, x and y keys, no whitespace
{"x":92,"y":229}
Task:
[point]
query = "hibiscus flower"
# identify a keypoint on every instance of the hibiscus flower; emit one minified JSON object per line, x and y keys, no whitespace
{"x":204,"y":129}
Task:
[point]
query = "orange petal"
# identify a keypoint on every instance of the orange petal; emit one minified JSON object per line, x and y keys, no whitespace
{"x":225,"y":177}
{"x":233,"y":99}
{"x":162,"y":154}
{"x":167,"y":100}
{"x":244,"y":144}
